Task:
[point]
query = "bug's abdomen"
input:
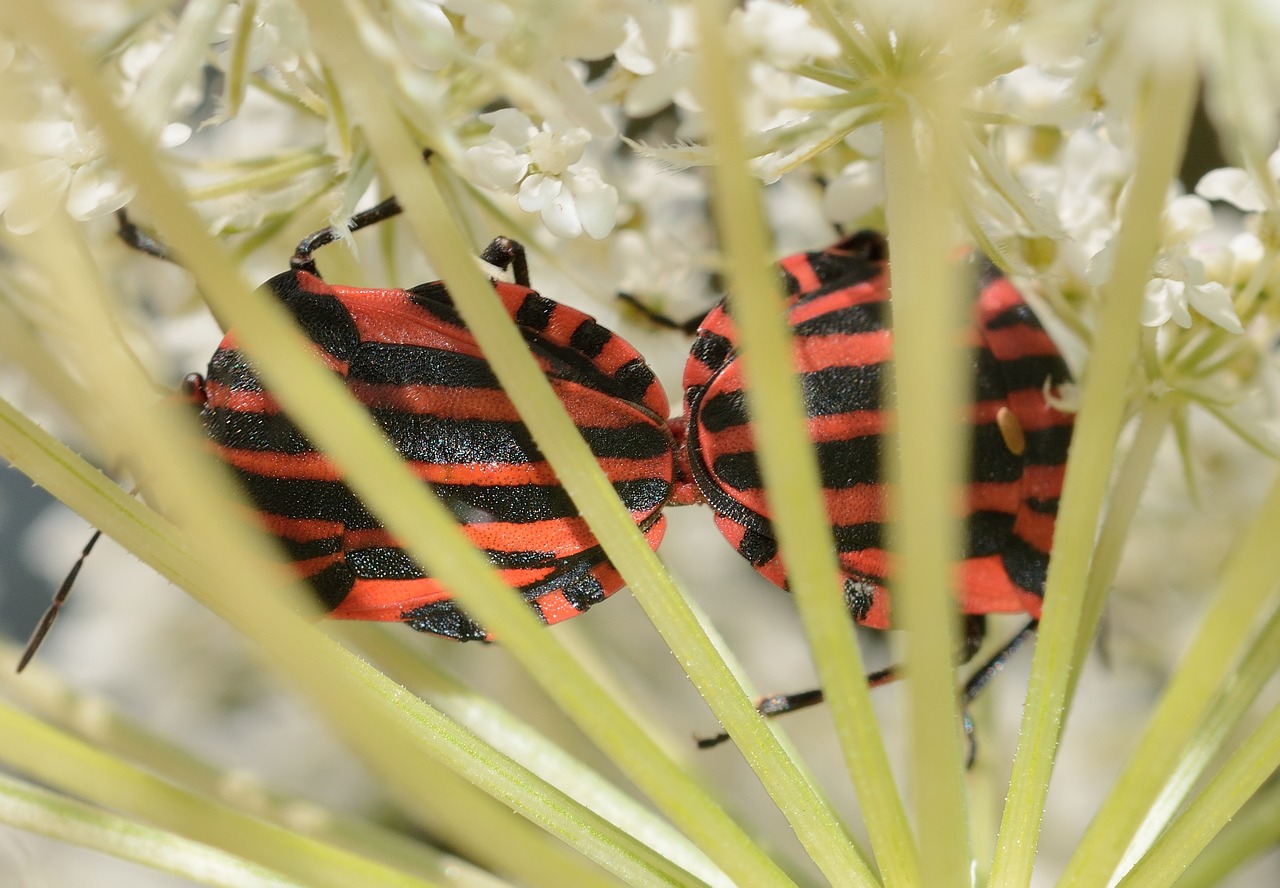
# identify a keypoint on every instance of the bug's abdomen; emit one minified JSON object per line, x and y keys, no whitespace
{"x":429,"y":389}
{"x":842,"y":351}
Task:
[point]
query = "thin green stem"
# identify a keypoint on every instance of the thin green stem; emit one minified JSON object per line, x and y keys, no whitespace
{"x":36,"y":810}
{"x":1168,"y":97}
{"x":1252,"y":764}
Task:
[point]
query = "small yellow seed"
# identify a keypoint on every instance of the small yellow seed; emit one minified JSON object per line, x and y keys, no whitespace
{"x":1011,"y":431}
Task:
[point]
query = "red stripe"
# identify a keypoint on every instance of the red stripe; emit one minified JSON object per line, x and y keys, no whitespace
{"x":271,"y":464}
{"x":864,"y":293}
{"x":985,"y":588}
{"x":800,"y":268}
{"x":300,"y":530}
{"x":995,"y":496}
{"x":854,"y":350}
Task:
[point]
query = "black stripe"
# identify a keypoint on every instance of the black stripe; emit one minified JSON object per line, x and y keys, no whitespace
{"x":1026,"y":565}
{"x":1049,"y":446}
{"x":1016,"y":315}
{"x":434,"y":298}
{"x":856,"y":537}
{"x":581,"y":588}
{"x":757,"y":547}
{"x":868,"y":317}
{"x":390,"y":364}
{"x":590,"y":338}
{"x":834,"y":390}
{"x":259,"y":432}
{"x":1042,"y":505}
{"x":723,"y":410}
{"x":842,"y":464}
{"x":444,"y":618}
{"x":1032,"y":371}
{"x":306,"y":550}
{"x":435,"y":439}
{"x":323,"y":319}
{"x":633,"y":381}
{"x":332,"y":584}
{"x":230,"y":368}
{"x":535,"y":312}
{"x":989,"y":459}
{"x":987,"y":533}
{"x":305,"y":499}
{"x":383,"y":563}
{"x":850,"y":462}
{"x":711,"y":349}
{"x":837,"y":271}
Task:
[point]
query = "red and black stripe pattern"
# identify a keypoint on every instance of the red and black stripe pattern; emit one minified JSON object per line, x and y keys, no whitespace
{"x":839,"y":313}
{"x":407,"y":356}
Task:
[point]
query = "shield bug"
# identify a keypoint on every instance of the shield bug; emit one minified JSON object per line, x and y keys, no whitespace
{"x":408,"y":357}
{"x":838,"y":306}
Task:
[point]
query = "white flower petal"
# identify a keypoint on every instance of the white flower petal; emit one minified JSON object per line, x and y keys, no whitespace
{"x":597,"y":202}
{"x":510,"y":125}
{"x":1213,"y":300}
{"x":552,"y":152}
{"x":1164,"y":299}
{"x":96,"y":190}
{"x":1233,"y":185}
{"x":560,"y":215}
{"x":855,"y":192}
{"x":1098,"y":271}
{"x":781,"y":33}
{"x":1186,"y":216}
{"x":495,"y":164}
{"x":174,"y":134}
{"x":537,"y":191}
{"x":424,"y":32}
{"x":634,"y":54}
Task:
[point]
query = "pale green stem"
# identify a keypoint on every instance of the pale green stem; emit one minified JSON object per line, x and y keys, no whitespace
{"x":1255,"y":830}
{"x":1168,"y":97}
{"x":40,"y":811}
{"x":789,"y":468}
{"x":236,"y":67}
{"x":75,"y":767}
{"x":1245,"y":591}
{"x":1224,"y":716}
{"x":267,"y":177}
{"x":94,"y":720}
{"x":1242,"y":775}
{"x":1122,"y":505}
{"x":929,"y":388}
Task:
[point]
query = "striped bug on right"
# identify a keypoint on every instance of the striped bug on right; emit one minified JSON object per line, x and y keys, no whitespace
{"x":838,"y":308}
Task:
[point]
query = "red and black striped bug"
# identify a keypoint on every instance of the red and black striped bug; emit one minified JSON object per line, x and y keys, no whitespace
{"x":838,"y":308}
{"x":407,"y":356}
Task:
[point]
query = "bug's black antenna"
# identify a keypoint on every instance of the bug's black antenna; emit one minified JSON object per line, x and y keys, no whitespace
{"x":302,"y":256}
{"x":60,"y":598}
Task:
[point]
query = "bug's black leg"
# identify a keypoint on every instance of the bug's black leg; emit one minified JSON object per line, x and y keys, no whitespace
{"x":983,"y":676}
{"x":42,"y":628}
{"x":657,"y":318}
{"x":992,"y":667}
{"x":777,"y":704}
{"x":505,"y":253}
{"x":135,"y":237}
